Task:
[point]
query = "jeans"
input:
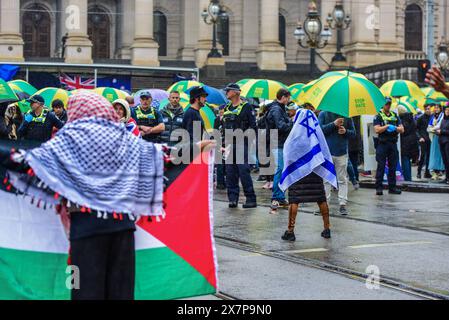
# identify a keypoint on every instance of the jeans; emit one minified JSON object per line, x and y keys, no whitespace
{"x":278,"y":154}
{"x":220,"y":174}
{"x":341,"y":167}
{"x":354,"y":159}
{"x":424,"y":156}
{"x":351,"y":173}
{"x":406,"y":163}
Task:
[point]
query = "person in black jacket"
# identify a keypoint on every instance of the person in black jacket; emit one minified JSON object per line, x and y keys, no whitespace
{"x":277,"y":119}
{"x":424,"y":142}
{"x":409,"y":142}
{"x":38,"y":123}
{"x":443,"y":133}
{"x":59,"y":110}
{"x":238,"y":115}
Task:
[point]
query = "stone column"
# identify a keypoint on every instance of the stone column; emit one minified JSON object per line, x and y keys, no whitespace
{"x":204,"y":44}
{"x":250,"y":30}
{"x":78,"y":47}
{"x":11,"y":42}
{"x":189,"y":30}
{"x":144,"y":50}
{"x":127,"y":28}
{"x":270,"y":54}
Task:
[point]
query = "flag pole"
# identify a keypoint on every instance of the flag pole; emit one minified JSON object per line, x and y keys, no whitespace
{"x":95,"y":72}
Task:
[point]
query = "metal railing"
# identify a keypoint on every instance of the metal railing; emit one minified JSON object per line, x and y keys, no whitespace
{"x":96,"y":67}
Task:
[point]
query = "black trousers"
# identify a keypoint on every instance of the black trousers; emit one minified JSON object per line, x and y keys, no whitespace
{"x":424,"y":157}
{"x":106,"y":266}
{"x":444,"y":147}
{"x":386,"y":151}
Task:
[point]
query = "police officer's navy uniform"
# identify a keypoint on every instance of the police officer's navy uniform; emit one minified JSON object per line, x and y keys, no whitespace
{"x":239,"y":117}
{"x":41,"y":127}
{"x":387,"y":149}
{"x":172,"y":121}
{"x":149,"y":118}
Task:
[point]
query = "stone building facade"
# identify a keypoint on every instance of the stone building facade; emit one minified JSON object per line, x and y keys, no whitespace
{"x":157,"y":32}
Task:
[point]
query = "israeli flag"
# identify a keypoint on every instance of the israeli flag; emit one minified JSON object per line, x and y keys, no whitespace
{"x":306,"y":151}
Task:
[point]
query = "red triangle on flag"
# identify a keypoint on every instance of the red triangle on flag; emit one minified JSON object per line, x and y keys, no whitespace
{"x":186,"y":230}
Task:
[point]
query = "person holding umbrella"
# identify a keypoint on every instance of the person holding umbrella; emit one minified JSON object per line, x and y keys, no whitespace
{"x":388,"y":126}
{"x":338,"y":130}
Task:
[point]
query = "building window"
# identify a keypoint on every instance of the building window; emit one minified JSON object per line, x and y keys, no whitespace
{"x":160,"y":32}
{"x":282,"y":33}
{"x":413,"y":28}
{"x":99,"y":28}
{"x":36,"y":32}
{"x":223,"y":34}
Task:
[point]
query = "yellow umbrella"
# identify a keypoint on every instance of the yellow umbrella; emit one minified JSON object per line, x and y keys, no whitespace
{"x":345,"y":93}
{"x":405,"y":102}
{"x":401,"y":88}
{"x":51,"y":94}
{"x":261,"y":88}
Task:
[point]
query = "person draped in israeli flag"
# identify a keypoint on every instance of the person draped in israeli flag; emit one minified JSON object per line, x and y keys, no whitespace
{"x":307,"y":162}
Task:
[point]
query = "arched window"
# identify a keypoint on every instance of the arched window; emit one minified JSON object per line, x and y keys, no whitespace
{"x":36,"y":32}
{"x":282,"y":33}
{"x":223,"y":34}
{"x":160,"y":32}
{"x":99,"y":28}
{"x":413,"y":28}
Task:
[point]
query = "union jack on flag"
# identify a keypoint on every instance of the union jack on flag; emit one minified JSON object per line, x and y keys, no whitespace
{"x":76,"y":82}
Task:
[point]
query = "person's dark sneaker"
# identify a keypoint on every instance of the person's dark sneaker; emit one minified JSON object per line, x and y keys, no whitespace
{"x":427,"y":175}
{"x":379,"y":192}
{"x":418,"y":176}
{"x":394,"y":191}
{"x":283,"y":204}
{"x":274,"y":205}
{"x":261,"y":178}
{"x":233,"y":205}
{"x":326,"y":234}
{"x":289,"y":236}
{"x":343,"y":211}
{"x":249,"y":205}
{"x":255,"y":170}
{"x":221,"y":187}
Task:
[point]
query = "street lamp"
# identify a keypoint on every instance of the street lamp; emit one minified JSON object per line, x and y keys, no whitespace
{"x":340,"y":21}
{"x":311,"y":33}
{"x":442,"y":55}
{"x":211,"y":16}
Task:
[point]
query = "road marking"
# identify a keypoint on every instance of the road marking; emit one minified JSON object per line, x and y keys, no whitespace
{"x":391,"y":244}
{"x":307,"y":250}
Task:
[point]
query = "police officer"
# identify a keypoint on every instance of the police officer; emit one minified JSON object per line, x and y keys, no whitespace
{"x":38,"y":123}
{"x":173,"y":115}
{"x":149,"y":120}
{"x":388,"y":127}
{"x":239,"y":115}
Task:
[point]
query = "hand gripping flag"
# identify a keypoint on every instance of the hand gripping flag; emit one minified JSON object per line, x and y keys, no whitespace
{"x":175,"y":256}
{"x":306,"y":151}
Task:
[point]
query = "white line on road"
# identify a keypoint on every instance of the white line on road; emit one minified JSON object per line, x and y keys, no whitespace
{"x":307,"y":250}
{"x":392,"y":244}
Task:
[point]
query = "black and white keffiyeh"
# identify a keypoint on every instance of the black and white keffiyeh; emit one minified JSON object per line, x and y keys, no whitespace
{"x":98,"y":164}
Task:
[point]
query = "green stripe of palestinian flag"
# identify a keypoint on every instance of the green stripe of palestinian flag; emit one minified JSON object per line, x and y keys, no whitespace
{"x":33,"y":259}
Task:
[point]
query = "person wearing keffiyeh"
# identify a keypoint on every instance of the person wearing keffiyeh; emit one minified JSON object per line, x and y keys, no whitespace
{"x":101,"y":177}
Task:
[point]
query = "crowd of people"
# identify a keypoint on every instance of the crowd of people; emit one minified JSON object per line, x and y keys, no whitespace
{"x":424,"y":138}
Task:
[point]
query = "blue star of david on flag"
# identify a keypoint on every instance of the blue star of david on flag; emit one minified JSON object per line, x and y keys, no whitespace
{"x":311,"y":129}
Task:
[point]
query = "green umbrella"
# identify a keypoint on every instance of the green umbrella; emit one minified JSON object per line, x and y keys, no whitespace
{"x":347,"y":94}
{"x":22,"y":86}
{"x":6,"y":93}
{"x":295,"y":90}
{"x":261,"y":88}
{"x":183,"y":86}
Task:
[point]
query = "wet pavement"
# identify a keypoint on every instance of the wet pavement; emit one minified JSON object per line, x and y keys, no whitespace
{"x":405,"y":237}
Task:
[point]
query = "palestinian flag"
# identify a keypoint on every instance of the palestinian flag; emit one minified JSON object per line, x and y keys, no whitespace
{"x":175,"y":257}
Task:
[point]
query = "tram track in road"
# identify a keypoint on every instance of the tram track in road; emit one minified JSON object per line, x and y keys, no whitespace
{"x":348,"y":217}
{"x":385,"y":282}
